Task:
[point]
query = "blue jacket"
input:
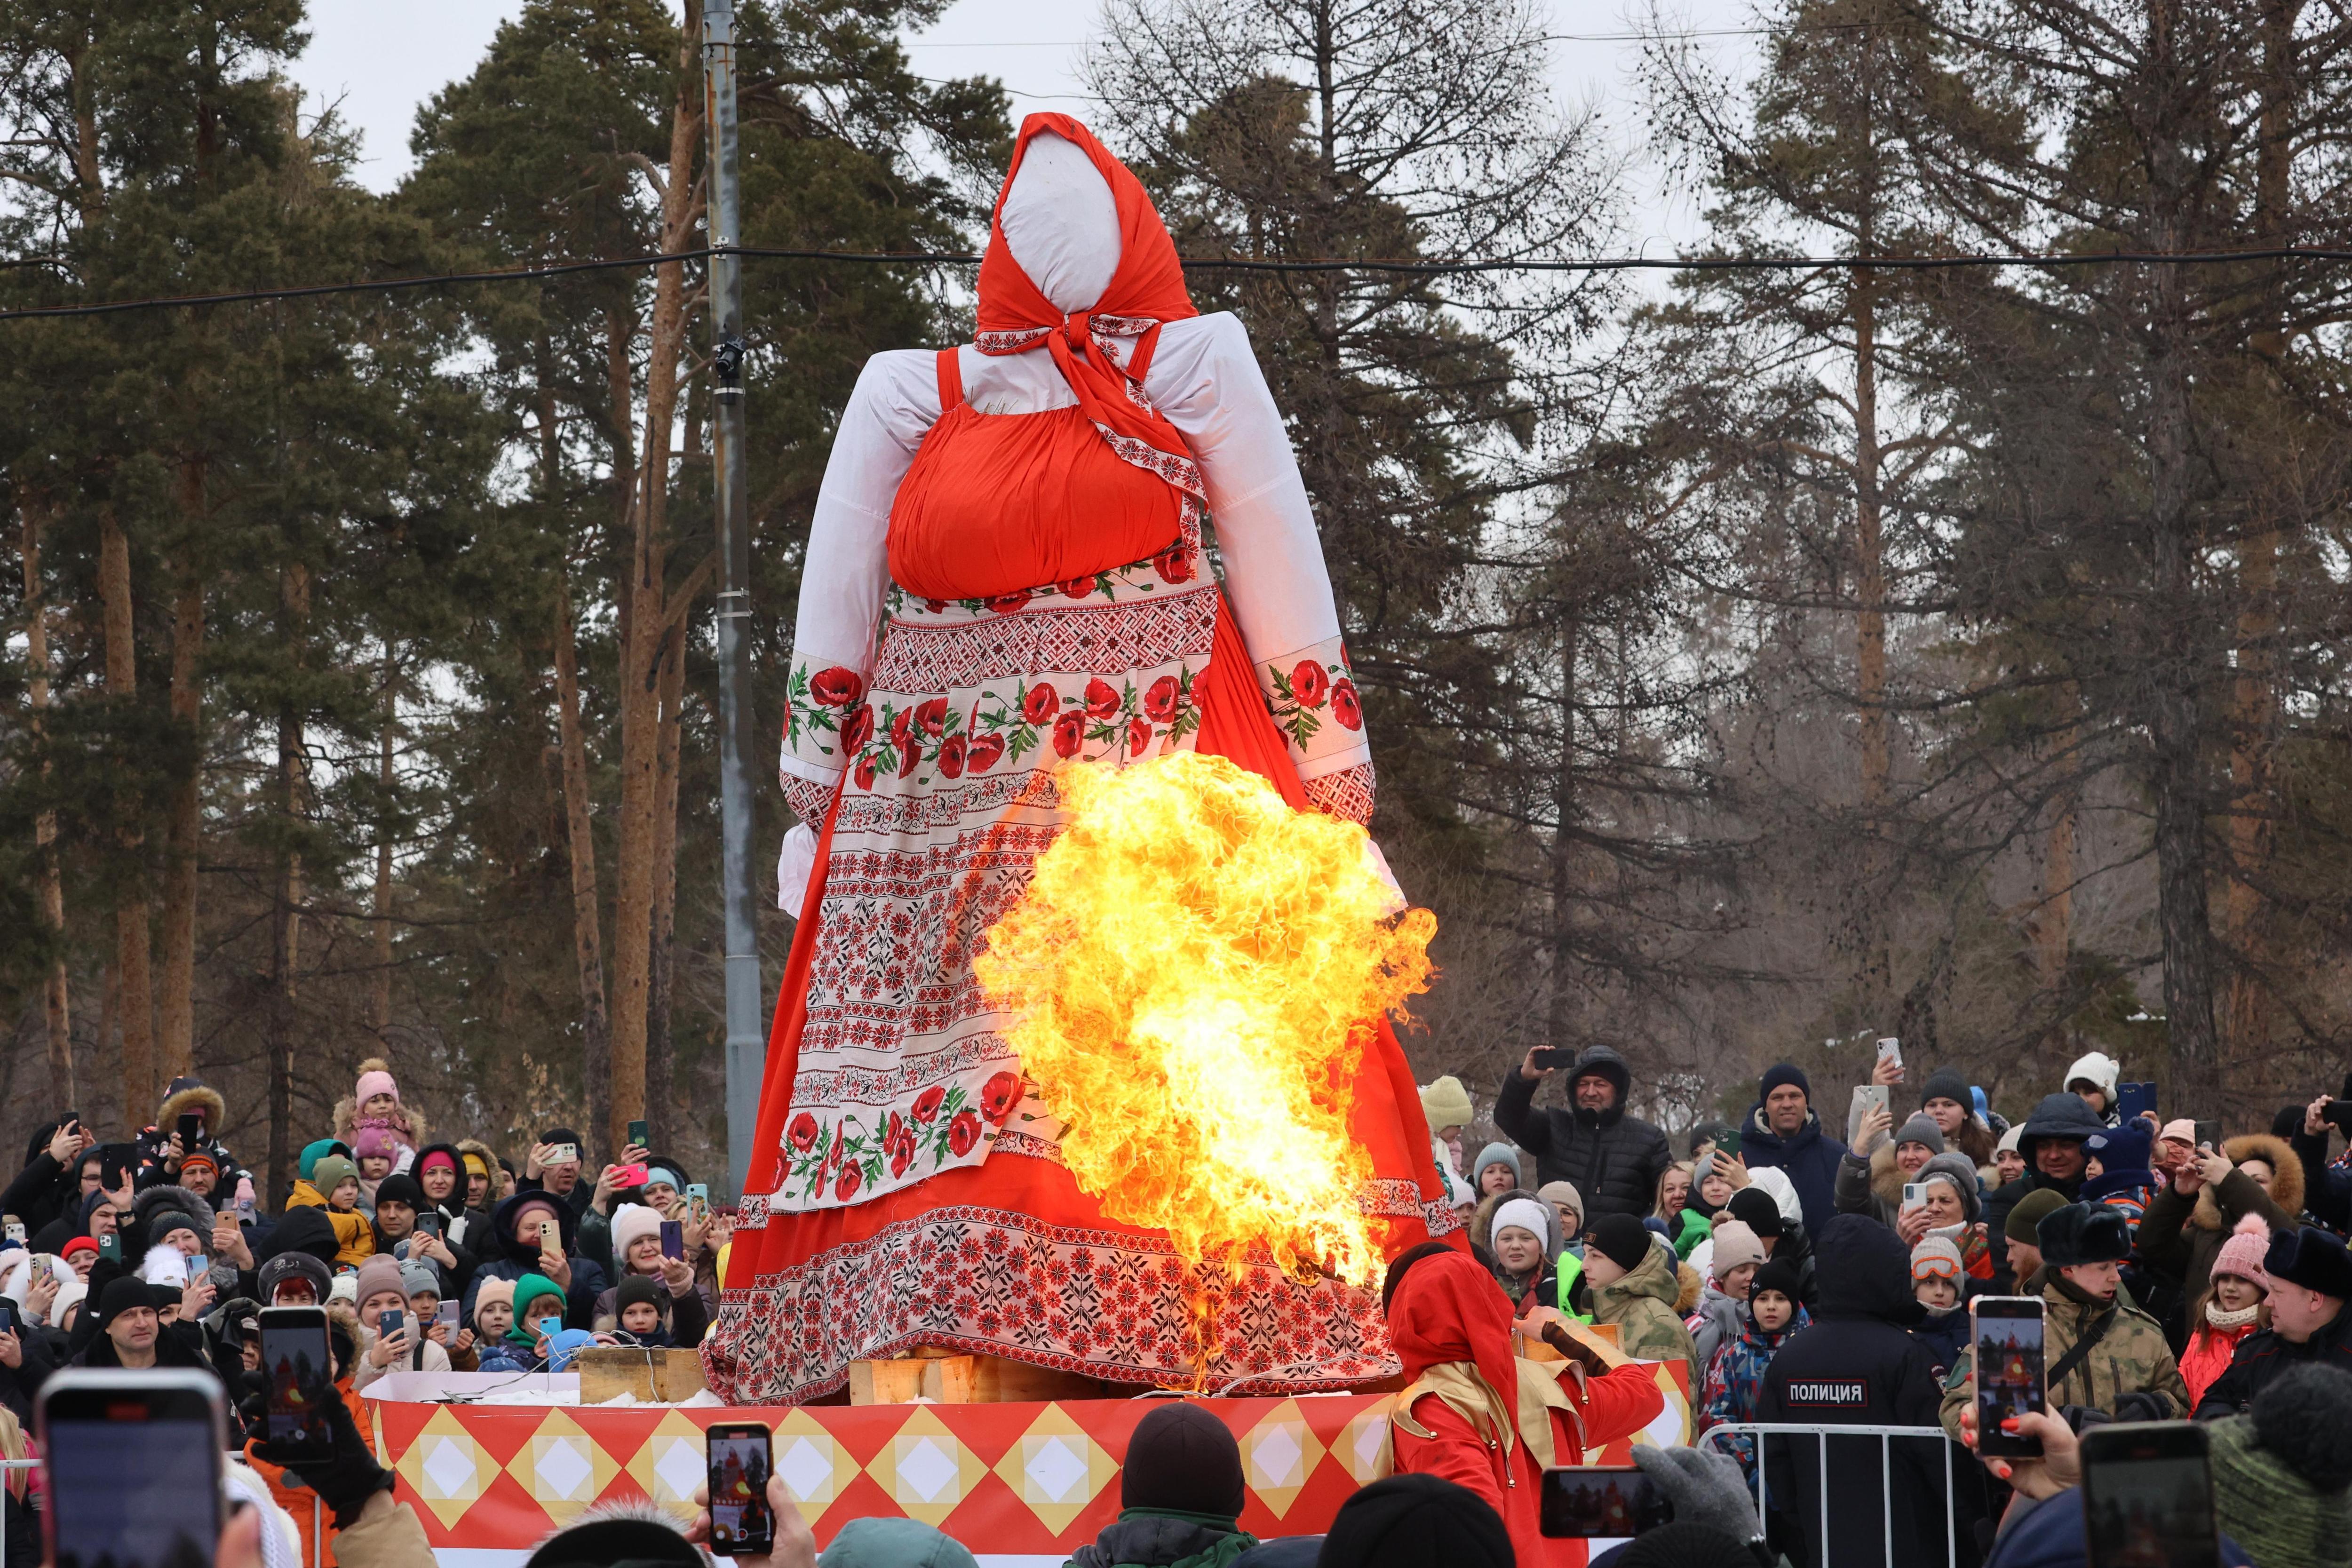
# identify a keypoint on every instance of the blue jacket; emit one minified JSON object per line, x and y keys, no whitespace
{"x":1810,"y":1159}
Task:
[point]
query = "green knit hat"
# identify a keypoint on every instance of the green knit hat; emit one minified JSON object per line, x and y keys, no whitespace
{"x":311,"y":1154}
{"x":528,"y":1289}
{"x":2282,"y":1520}
{"x":332,"y":1170}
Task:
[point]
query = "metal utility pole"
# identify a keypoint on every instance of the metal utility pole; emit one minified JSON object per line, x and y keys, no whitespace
{"x":746,"y":1043}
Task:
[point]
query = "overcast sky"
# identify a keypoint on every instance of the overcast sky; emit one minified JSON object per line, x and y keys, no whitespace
{"x":379,"y":61}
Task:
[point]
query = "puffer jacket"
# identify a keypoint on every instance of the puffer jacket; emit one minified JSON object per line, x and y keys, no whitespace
{"x":2181,"y":1237}
{"x":1641,"y":1306}
{"x":2208,"y":1355}
{"x":1613,"y":1160}
{"x":1716,"y":1320}
{"x":1734,"y":1373}
{"x":1809,"y":1157}
{"x":2129,"y":1373}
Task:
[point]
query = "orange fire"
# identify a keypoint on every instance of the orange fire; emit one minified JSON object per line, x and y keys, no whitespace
{"x":1192,"y":975}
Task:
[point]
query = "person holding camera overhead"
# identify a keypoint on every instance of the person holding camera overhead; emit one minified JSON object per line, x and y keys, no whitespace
{"x":1613,"y":1158}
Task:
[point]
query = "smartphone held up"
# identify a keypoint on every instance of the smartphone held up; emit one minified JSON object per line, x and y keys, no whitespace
{"x":739,"y":1457}
{"x":167,"y":1426}
{"x":2007,"y":1376}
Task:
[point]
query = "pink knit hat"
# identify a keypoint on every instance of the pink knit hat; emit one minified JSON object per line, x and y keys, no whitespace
{"x":374,"y":1143}
{"x":375,"y":1083}
{"x":2242,"y":1254}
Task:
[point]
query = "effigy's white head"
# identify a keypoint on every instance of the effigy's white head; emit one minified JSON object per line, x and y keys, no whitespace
{"x":1061,"y":222}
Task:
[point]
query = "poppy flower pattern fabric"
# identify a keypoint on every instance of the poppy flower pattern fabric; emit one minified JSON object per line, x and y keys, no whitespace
{"x":949,"y":800}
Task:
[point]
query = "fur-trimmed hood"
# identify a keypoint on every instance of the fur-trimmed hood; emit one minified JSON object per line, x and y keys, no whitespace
{"x":2286,"y":1177}
{"x":156,"y":1200}
{"x":198,"y":1097}
{"x":347,"y":1108}
{"x":1689,"y":1287}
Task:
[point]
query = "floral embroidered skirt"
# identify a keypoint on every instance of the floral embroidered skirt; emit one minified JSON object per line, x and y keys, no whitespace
{"x":907,"y":1189}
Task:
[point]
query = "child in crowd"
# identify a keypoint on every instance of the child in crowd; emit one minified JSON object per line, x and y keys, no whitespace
{"x":1523,"y":1251}
{"x":1722,"y":1307}
{"x":1711,"y":1195}
{"x":1686,"y":1227}
{"x":372,"y":1153}
{"x":423,"y":1282}
{"x":1937,"y":1283}
{"x":1497,"y":1172}
{"x":1735,"y":1372}
{"x":642,"y":1301}
{"x":2233,"y":1304}
{"x":334,"y":1186}
{"x":493,"y":1318}
{"x":375,"y":1104}
{"x":1634,"y":1286}
{"x":383,"y":1296}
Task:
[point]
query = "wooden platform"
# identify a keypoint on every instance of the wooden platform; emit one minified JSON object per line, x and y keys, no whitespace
{"x":947,"y":1377}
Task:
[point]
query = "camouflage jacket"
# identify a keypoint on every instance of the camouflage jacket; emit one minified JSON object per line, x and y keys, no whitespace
{"x":1641,"y":1306}
{"x":2132,"y":1358}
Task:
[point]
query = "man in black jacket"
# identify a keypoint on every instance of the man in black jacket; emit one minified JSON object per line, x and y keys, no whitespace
{"x":2311,"y":1280}
{"x":1857,"y":1365}
{"x":1613,"y":1160}
{"x":2053,"y":1143}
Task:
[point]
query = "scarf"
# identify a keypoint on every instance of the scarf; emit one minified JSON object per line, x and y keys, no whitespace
{"x":2226,"y":1321}
{"x":1148,"y":289}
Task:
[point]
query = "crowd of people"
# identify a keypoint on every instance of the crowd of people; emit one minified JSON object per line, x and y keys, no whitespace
{"x":1808,"y":1279}
{"x":1796,"y":1278}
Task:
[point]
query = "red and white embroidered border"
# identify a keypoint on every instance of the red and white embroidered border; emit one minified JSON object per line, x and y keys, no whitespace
{"x":992,"y":1282}
{"x":1083,"y":639}
{"x":1346,"y":792}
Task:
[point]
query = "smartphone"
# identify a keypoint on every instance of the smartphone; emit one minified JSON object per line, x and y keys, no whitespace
{"x":1915,"y":1195}
{"x":673,"y":1239}
{"x":738,"y":1456}
{"x":428,"y":1225}
{"x":630,"y":1176}
{"x":1890,"y":1049}
{"x":131,"y":1462}
{"x":2132,"y":1099}
{"x":16,"y":1231}
{"x":1553,"y":1056}
{"x":698,"y":1202}
{"x":389,"y":1324}
{"x":563,"y":1154}
{"x":109,"y":1246}
{"x":640,"y":1133}
{"x":2008,"y":1375}
{"x":1603,"y":1503}
{"x":8,"y":1320}
{"x":110,"y":1172}
{"x":451,"y":1314}
{"x":549,"y":1327}
{"x":299,"y":1367}
{"x":2209,"y":1135}
{"x":2147,"y":1496}
{"x":192,"y":1133}
{"x":1727,"y":1141}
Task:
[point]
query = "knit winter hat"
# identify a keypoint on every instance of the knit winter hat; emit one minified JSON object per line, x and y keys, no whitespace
{"x":1774,"y":1183}
{"x":2242,"y":1254}
{"x":1537,"y":1219}
{"x":1935,"y":1258}
{"x":1754,"y":1208}
{"x":631,"y":1221}
{"x":1962,"y":1172}
{"x":1410,"y":1520}
{"x":529,"y":1291}
{"x":1684,"y":1546}
{"x":1780,"y":1073}
{"x":895,"y":1543}
{"x":1920,"y":1128}
{"x":1945,"y":1083}
{"x":1559,"y":1193}
{"x":1496,"y":1154}
{"x":1447,"y":1103}
{"x":2075,"y":1233}
{"x":1779,"y":1274}
{"x":1621,"y":1239}
{"x":2122,"y":1147}
{"x":635,"y":1288}
{"x":489,"y":1289}
{"x":2181,"y":1130}
{"x":332,"y":1170}
{"x":662,"y":1173}
{"x":121,"y":1295}
{"x":374,"y":1143}
{"x":2312,"y":1258}
{"x":163,"y":1222}
{"x":2099,"y":1070}
{"x":199,"y":1160}
{"x":1183,"y":1457}
{"x":419,"y":1278}
{"x":69,"y":1295}
{"x":400,"y":1188}
{"x":346,"y":1288}
{"x":373,"y":1084}
{"x":2008,"y":1144}
{"x":77,"y":1245}
{"x":2026,"y":1217}
{"x":1735,"y":1243}
{"x":382,"y":1273}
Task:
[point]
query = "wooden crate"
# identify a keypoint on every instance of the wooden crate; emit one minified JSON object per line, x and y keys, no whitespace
{"x":654,"y":1376}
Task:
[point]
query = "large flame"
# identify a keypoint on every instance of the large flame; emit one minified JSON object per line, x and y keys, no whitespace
{"x":1193,"y":975}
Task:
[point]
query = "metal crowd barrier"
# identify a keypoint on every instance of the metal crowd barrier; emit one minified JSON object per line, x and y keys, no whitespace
{"x":1820,"y":1434}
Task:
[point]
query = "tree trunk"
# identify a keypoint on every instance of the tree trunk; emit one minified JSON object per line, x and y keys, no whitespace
{"x":379,"y":992}
{"x":55,"y":996}
{"x":643,"y":628}
{"x":286,"y":900}
{"x":136,"y":1008}
{"x":176,"y":1032}
{"x":1870,"y":645}
{"x":1561,"y":1017}
{"x":2053,"y":922}
{"x":660,"y":1107}
{"x":587,"y":943}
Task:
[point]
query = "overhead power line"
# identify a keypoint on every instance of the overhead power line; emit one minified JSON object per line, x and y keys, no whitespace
{"x":1403,"y":267}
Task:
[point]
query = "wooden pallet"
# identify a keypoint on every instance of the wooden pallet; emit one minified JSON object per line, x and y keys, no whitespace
{"x":945,"y":1378}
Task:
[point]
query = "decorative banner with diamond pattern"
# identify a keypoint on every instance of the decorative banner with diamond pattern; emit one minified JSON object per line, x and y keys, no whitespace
{"x":1002,"y":1478}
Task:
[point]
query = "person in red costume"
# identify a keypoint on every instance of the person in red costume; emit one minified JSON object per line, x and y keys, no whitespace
{"x":1474,"y":1413}
{"x":1009,"y":571}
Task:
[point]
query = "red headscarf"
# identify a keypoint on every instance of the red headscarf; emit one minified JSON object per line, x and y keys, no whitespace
{"x":1147,"y":290}
{"x":1448,"y":1308}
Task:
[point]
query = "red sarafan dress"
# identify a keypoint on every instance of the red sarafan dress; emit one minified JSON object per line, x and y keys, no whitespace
{"x":1007,"y":575}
